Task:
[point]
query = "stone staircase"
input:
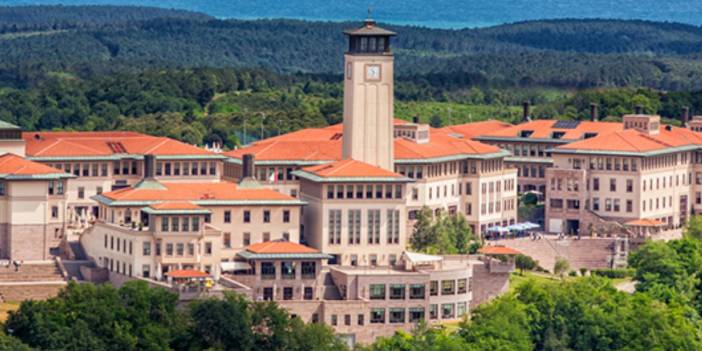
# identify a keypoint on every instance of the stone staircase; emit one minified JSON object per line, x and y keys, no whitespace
{"x":32,"y":281}
{"x":590,"y":253}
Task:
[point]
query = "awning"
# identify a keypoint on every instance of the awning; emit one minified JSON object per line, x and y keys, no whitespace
{"x":498,"y":250}
{"x":187,"y":273}
{"x":498,"y":229}
{"x":416,"y":257}
{"x":234,"y":266}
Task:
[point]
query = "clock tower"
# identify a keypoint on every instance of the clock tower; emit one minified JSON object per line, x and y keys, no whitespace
{"x":368,"y":96}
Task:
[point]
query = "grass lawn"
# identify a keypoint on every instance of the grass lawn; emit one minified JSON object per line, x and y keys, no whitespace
{"x":6,"y":307}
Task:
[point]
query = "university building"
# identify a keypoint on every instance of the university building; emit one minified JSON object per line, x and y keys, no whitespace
{"x":319,"y":219}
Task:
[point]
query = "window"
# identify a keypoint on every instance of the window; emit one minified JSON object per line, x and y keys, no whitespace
{"x":267,"y":270}
{"x":595,"y":204}
{"x":397,"y":315}
{"x":334,"y":227}
{"x":81,"y":192}
{"x":393,"y":227}
{"x":247,"y":239}
{"x":208,"y":248}
{"x":196,"y":224}
{"x":146,"y":271}
{"x":180,"y":249}
{"x":308,"y":294}
{"x":191,"y":249}
{"x":309,"y":270}
{"x":268,"y":295}
{"x":227,"y":240}
{"x":433,"y":311}
{"x":266,"y":216}
{"x":448,"y":287}
{"x":266,"y":237}
{"x":612,"y":185}
{"x":460,"y":309}
{"x":185,"y":224}
{"x":397,"y":292}
{"x":347,"y":319}
{"x":146,"y":248}
{"x":333,"y":320}
{"x":175,"y":224}
{"x":169,"y":249}
{"x":227,"y":216}
{"x":374,"y":226}
{"x":596,"y":184}
{"x":354,"y":227}
{"x":416,"y":314}
{"x":360,"y":319}
{"x":54,"y":212}
{"x":377,"y":291}
{"x":447,"y":311}
{"x":286,"y":216}
{"x":247,"y":216}
{"x":417,"y":291}
{"x":461,"y":286}
{"x":629,"y":206}
{"x":377,"y":316}
{"x":287,"y":269}
{"x":434,"y":288}
{"x":287,"y":293}
{"x":629,"y":185}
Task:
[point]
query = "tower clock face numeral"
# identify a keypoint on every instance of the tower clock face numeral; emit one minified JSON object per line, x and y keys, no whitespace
{"x":373,"y":72}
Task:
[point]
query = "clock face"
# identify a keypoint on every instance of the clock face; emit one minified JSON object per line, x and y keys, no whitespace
{"x":373,"y":72}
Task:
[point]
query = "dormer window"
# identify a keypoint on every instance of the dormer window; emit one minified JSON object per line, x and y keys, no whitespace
{"x":589,"y":135}
{"x":557,"y":135}
{"x":526,"y":133}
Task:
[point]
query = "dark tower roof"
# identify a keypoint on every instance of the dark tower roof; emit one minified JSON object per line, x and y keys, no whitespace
{"x":370,"y":28}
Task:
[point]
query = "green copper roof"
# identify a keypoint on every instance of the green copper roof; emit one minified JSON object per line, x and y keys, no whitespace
{"x":152,"y":211}
{"x":7,"y":125}
{"x":318,"y":179}
{"x":280,"y":256}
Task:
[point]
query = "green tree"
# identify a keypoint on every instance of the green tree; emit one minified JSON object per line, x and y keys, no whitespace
{"x":221,"y":324}
{"x":524,"y":262}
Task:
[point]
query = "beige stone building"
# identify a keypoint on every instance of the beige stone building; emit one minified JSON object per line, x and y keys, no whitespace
{"x":645,"y":177}
{"x":107,"y":161}
{"x":32,"y":209}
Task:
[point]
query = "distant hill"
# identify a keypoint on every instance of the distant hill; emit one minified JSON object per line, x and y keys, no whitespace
{"x":23,"y":18}
{"x":557,"y":53}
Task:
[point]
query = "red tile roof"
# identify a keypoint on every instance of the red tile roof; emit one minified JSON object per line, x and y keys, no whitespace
{"x":544,"y":128}
{"x":178,"y":205}
{"x":87,"y":144}
{"x":181,"y":192}
{"x":280,"y":247}
{"x":469,"y":130}
{"x":16,"y":165}
{"x":325,"y":144}
{"x":631,"y":140}
{"x":498,"y":250}
{"x":187,"y":273}
{"x":350,"y":169}
{"x":440,"y":144}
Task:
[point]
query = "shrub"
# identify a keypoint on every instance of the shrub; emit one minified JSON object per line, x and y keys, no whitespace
{"x":613,"y":273}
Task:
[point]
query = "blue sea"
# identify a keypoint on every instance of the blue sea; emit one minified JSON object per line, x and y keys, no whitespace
{"x":428,"y":13}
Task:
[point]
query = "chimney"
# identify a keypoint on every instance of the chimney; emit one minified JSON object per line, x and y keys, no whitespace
{"x":415,"y":119}
{"x":247,"y":168}
{"x":593,"y":112}
{"x":639,"y":109}
{"x":149,"y":166}
{"x":525,"y":114}
{"x":685,"y":115}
